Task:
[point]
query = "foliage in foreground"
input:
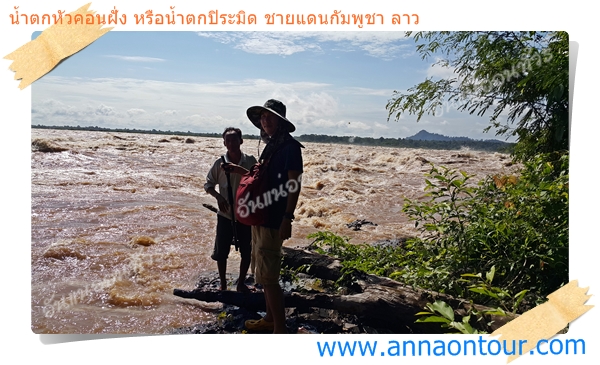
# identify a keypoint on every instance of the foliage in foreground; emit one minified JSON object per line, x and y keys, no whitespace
{"x":440,"y":312}
{"x":524,"y":74}
{"x":513,"y":229}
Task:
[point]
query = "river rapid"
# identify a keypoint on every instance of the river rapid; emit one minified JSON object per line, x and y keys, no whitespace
{"x":117,"y":220}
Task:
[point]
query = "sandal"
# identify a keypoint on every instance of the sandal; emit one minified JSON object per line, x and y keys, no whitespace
{"x":259,"y":325}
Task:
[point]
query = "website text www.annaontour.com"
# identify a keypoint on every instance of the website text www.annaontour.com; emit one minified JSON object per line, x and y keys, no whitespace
{"x":469,"y":347}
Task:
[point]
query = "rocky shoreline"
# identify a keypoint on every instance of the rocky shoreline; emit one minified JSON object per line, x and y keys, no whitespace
{"x":231,"y":318}
{"x":307,"y":321}
{"x":317,"y":303}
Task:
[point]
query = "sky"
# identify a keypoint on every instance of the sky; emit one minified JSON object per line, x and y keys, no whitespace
{"x":335,"y":83}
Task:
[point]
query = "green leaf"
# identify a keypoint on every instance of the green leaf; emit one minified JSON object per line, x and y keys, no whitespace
{"x":519,"y":297}
{"x":471,"y":275}
{"x":423,"y":314}
{"x":432,"y":319}
{"x":463,"y":327}
{"x":495,"y":312}
{"x":490,"y":274}
{"x":484,"y":291}
{"x":442,"y":308}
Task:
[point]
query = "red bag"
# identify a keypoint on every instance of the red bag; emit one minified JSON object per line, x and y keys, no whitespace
{"x":252,"y":198}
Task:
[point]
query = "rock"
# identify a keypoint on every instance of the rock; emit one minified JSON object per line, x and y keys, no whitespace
{"x":142,"y":241}
{"x":375,"y":304}
{"x":357,"y":224}
{"x":43,"y":145}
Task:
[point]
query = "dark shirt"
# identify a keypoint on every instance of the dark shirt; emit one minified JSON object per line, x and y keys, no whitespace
{"x":287,"y":158}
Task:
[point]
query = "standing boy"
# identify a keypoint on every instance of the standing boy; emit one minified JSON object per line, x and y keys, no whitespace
{"x":232,"y":139}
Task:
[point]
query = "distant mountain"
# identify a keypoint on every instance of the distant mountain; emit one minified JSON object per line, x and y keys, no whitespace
{"x":423,"y":135}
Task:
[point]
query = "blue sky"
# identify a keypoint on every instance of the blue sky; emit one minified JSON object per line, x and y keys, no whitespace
{"x":335,"y":83}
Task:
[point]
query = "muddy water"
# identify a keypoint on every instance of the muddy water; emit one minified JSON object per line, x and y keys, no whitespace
{"x":118,"y":222}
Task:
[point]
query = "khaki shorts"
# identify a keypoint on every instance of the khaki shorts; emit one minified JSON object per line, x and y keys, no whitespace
{"x":266,"y":255}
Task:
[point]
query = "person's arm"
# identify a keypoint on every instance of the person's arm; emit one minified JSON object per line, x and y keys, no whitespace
{"x":221,"y":201}
{"x":209,"y":187}
{"x":233,"y":168}
{"x":294,"y":179}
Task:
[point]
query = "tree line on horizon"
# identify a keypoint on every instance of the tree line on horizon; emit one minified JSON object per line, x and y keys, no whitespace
{"x":455,"y":144}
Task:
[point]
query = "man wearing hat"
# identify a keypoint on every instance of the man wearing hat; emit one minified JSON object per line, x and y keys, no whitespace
{"x":284,"y":157}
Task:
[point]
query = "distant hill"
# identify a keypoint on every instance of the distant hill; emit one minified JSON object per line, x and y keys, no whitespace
{"x":423,"y":135}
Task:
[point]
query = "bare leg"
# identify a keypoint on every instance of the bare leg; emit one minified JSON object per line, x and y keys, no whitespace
{"x":222,"y":266}
{"x":244,"y":265}
{"x":275,"y":307}
{"x":269,"y":313}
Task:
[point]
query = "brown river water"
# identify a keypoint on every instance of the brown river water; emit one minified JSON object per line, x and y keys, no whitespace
{"x":91,"y":273}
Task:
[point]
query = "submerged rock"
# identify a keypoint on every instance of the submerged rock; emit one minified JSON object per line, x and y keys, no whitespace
{"x":142,"y":241}
{"x":43,"y":145}
{"x":357,"y":224}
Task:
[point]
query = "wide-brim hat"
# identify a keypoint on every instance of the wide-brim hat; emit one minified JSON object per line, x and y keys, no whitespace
{"x":274,"y":106}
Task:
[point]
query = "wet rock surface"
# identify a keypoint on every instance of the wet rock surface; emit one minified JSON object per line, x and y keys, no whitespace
{"x":231,"y":318}
{"x":357,"y":224}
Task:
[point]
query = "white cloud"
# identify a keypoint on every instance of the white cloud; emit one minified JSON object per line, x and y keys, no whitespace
{"x":358,"y":126}
{"x":382,"y":126}
{"x":136,"y":58}
{"x":265,"y":44}
{"x":315,"y":108}
{"x":134,"y":111}
{"x":439,"y":71}
{"x":383,"y":45}
{"x":104,"y":110}
{"x":262,"y":42}
{"x":377,"y":44}
{"x":363,"y":91}
{"x":155,"y":104}
{"x":54,"y":107}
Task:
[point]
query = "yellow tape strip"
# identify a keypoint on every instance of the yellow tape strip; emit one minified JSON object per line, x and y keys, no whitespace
{"x":546,"y":320}
{"x":38,"y":57}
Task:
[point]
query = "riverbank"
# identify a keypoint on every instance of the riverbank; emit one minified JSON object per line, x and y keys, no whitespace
{"x":230,"y":319}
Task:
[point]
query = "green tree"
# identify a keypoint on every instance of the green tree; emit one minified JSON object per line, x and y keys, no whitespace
{"x":523,"y":74}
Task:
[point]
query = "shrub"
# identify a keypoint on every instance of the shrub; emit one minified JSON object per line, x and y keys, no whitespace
{"x":519,"y":225}
{"x":514,"y":227}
